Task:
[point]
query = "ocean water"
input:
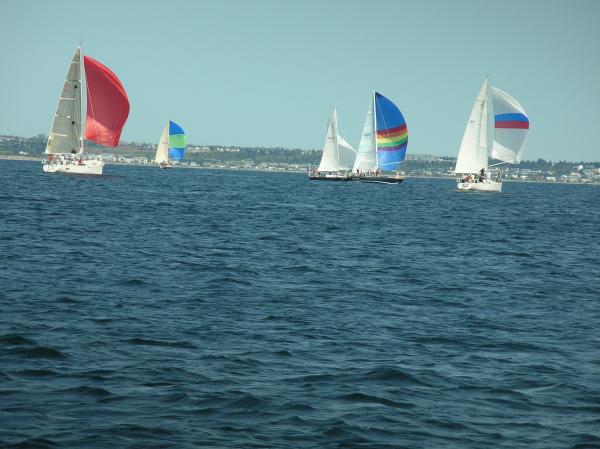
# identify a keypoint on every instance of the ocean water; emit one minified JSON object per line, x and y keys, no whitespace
{"x":215,"y":309}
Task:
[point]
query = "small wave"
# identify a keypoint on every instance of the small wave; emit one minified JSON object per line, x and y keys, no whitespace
{"x":296,"y":407}
{"x":34,"y":443}
{"x":269,"y":237}
{"x":85,"y":390}
{"x":131,"y":282}
{"x":161,"y":343}
{"x":67,"y":300}
{"x":37,"y":373}
{"x":15,"y":340}
{"x":517,"y":346}
{"x":205,"y":411}
{"x":137,"y":429}
{"x":342,"y":431}
{"x":175,"y":397}
{"x":313,"y":378}
{"x":293,"y":421}
{"x":365,"y":398}
{"x":436,"y":339}
{"x":41,"y":352}
{"x":393,"y":375}
{"x":224,"y":281}
{"x":282,"y":353}
{"x":446,"y":424}
{"x":248,"y":401}
{"x":536,"y":390}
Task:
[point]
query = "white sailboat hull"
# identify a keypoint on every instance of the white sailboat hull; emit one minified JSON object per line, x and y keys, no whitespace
{"x":485,"y":186}
{"x":86,"y":167}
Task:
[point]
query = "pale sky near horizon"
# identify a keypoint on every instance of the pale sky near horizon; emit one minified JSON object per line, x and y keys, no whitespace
{"x":269,"y":73}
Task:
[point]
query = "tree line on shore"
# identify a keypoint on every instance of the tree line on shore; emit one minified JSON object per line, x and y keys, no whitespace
{"x":34,"y":146}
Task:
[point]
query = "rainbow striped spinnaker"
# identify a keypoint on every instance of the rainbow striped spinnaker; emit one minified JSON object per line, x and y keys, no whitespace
{"x":384,"y":138}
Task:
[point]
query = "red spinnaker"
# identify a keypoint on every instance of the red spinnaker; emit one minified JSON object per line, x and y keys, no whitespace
{"x":107,"y":104}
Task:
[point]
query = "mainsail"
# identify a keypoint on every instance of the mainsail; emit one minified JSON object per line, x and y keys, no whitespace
{"x":162,"y":151}
{"x":107,"y":104}
{"x":511,"y":126}
{"x":337,"y":153}
{"x":392,"y":134}
{"x":473,"y":153}
{"x":366,"y":156}
{"x":176,"y":141}
{"x":65,"y":134}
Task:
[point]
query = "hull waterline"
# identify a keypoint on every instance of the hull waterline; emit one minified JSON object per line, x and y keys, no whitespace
{"x":328,"y":178}
{"x":88,"y":167}
{"x":376,"y":179}
{"x":489,"y":186}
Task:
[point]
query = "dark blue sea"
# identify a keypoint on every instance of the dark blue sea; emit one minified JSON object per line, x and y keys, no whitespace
{"x":220,"y":309}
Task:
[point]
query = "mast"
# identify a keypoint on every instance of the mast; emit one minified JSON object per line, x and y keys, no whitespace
{"x":488,"y":116}
{"x":81,"y":120}
{"x":375,"y":132}
{"x":335,"y":134}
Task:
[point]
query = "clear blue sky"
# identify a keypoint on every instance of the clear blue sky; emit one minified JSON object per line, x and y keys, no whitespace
{"x":269,"y":73}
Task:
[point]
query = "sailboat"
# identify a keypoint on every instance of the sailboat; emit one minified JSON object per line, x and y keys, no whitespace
{"x":107,"y":112}
{"x":171,"y":145}
{"x":338,"y":155}
{"x":383,"y":143}
{"x":511,"y":126}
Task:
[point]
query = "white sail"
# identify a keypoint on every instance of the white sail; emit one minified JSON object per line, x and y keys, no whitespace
{"x":346,"y":153}
{"x":473,"y":153}
{"x":65,"y":134}
{"x":162,"y":151}
{"x":511,"y":127}
{"x":366,"y":157}
{"x":329,"y":159}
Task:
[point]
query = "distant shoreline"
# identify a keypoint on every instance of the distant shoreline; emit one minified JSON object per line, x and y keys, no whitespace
{"x":8,"y":157}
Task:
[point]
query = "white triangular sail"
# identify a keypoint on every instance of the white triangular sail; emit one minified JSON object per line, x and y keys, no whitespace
{"x":338,"y":155}
{"x":346,"y":153}
{"x":473,"y":153}
{"x":366,"y":157}
{"x":162,"y":151}
{"x":65,"y":134}
{"x":511,"y":126}
{"x":329,"y":159}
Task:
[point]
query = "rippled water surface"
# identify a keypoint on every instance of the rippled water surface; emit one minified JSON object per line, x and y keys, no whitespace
{"x":213,"y":309}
